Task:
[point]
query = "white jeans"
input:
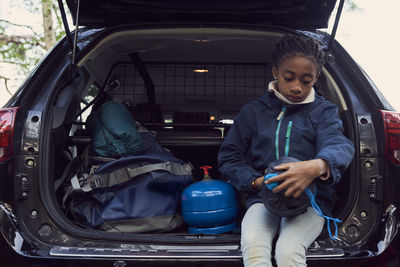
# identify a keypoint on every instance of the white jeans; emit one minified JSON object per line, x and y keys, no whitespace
{"x":259,"y":228}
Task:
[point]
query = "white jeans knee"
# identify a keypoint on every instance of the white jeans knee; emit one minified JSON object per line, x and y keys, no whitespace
{"x":295,"y":236}
{"x":259,"y":228}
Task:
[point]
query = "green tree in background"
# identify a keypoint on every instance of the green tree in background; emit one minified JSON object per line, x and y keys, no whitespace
{"x":23,"y":51}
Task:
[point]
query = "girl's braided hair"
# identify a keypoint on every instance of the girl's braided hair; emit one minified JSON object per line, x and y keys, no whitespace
{"x":293,"y":45}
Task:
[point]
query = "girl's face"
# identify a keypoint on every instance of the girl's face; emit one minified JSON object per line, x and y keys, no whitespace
{"x":296,"y":76}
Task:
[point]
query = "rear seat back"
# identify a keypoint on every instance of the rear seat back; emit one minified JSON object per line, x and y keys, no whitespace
{"x":147,"y":113}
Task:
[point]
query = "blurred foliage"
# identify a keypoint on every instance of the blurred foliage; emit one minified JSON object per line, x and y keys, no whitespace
{"x":21,"y":50}
{"x":352,"y":6}
{"x":25,"y":50}
{"x":92,"y":92}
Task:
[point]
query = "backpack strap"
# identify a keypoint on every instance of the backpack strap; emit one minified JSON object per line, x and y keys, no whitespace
{"x":122,"y":175}
{"x":79,"y":162}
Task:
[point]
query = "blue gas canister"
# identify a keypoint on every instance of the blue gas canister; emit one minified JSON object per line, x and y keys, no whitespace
{"x":209,"y":206}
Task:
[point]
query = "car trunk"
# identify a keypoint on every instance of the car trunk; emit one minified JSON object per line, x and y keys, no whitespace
{"x":201,"y":77}
{"x":184,"y":75}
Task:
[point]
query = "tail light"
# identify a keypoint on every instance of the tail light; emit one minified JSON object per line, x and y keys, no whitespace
{"x":391,"y":121}
{"x":7,"y":119}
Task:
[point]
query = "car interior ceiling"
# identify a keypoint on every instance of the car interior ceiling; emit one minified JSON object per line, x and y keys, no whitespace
{"x":134,"y":58}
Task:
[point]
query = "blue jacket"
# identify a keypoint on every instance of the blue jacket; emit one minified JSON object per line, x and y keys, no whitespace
{"x":266,"y":129}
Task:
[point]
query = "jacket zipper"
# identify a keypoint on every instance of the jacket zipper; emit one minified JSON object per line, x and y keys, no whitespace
{"x":287,"y":138}
{"x":280,"y":118}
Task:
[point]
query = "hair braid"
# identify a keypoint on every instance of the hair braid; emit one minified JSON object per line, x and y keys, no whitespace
{"x":293,"y":45}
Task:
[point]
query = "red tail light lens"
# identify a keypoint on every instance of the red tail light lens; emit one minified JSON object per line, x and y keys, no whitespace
{"x":391,"y":121}
{"x":7,"y":119}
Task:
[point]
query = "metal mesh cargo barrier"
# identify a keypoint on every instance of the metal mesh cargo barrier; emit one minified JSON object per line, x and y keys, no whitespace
{"x":219,"y":89}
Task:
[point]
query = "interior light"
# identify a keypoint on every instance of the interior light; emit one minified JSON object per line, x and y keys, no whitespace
{"x":200,"y":70}
{"x":226,"y":121}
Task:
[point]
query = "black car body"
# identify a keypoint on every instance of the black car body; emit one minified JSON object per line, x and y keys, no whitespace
{"x":229,"y":45}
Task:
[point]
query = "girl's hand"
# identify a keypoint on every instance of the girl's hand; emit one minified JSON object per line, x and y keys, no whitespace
{"x":258,"y":182}
{"x":298,"y":176}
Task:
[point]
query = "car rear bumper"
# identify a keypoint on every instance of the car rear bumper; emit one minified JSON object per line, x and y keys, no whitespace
{"x":93,"y":250}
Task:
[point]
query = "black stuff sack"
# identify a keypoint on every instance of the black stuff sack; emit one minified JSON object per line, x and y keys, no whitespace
{"x":133,"y":194}
{"x":277,"y":203}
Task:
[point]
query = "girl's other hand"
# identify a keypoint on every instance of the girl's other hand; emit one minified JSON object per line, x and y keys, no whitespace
{"x":298,"y":176}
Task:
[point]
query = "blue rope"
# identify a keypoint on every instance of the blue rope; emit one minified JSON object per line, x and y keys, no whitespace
{"x":317,"y":209}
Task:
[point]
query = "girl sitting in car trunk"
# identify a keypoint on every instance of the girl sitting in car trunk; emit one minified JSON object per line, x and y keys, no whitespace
{"x":291,"y":119}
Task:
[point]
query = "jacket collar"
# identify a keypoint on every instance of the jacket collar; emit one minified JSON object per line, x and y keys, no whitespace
{"x":269,"y":99}
{"x":273,"y":87}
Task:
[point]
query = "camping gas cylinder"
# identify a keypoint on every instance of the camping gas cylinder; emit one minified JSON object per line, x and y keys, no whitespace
{"x":209,"y":206}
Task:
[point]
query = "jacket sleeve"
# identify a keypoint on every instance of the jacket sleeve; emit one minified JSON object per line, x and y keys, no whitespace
{"x":332,"y":145}
{"x":232,"y":160}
